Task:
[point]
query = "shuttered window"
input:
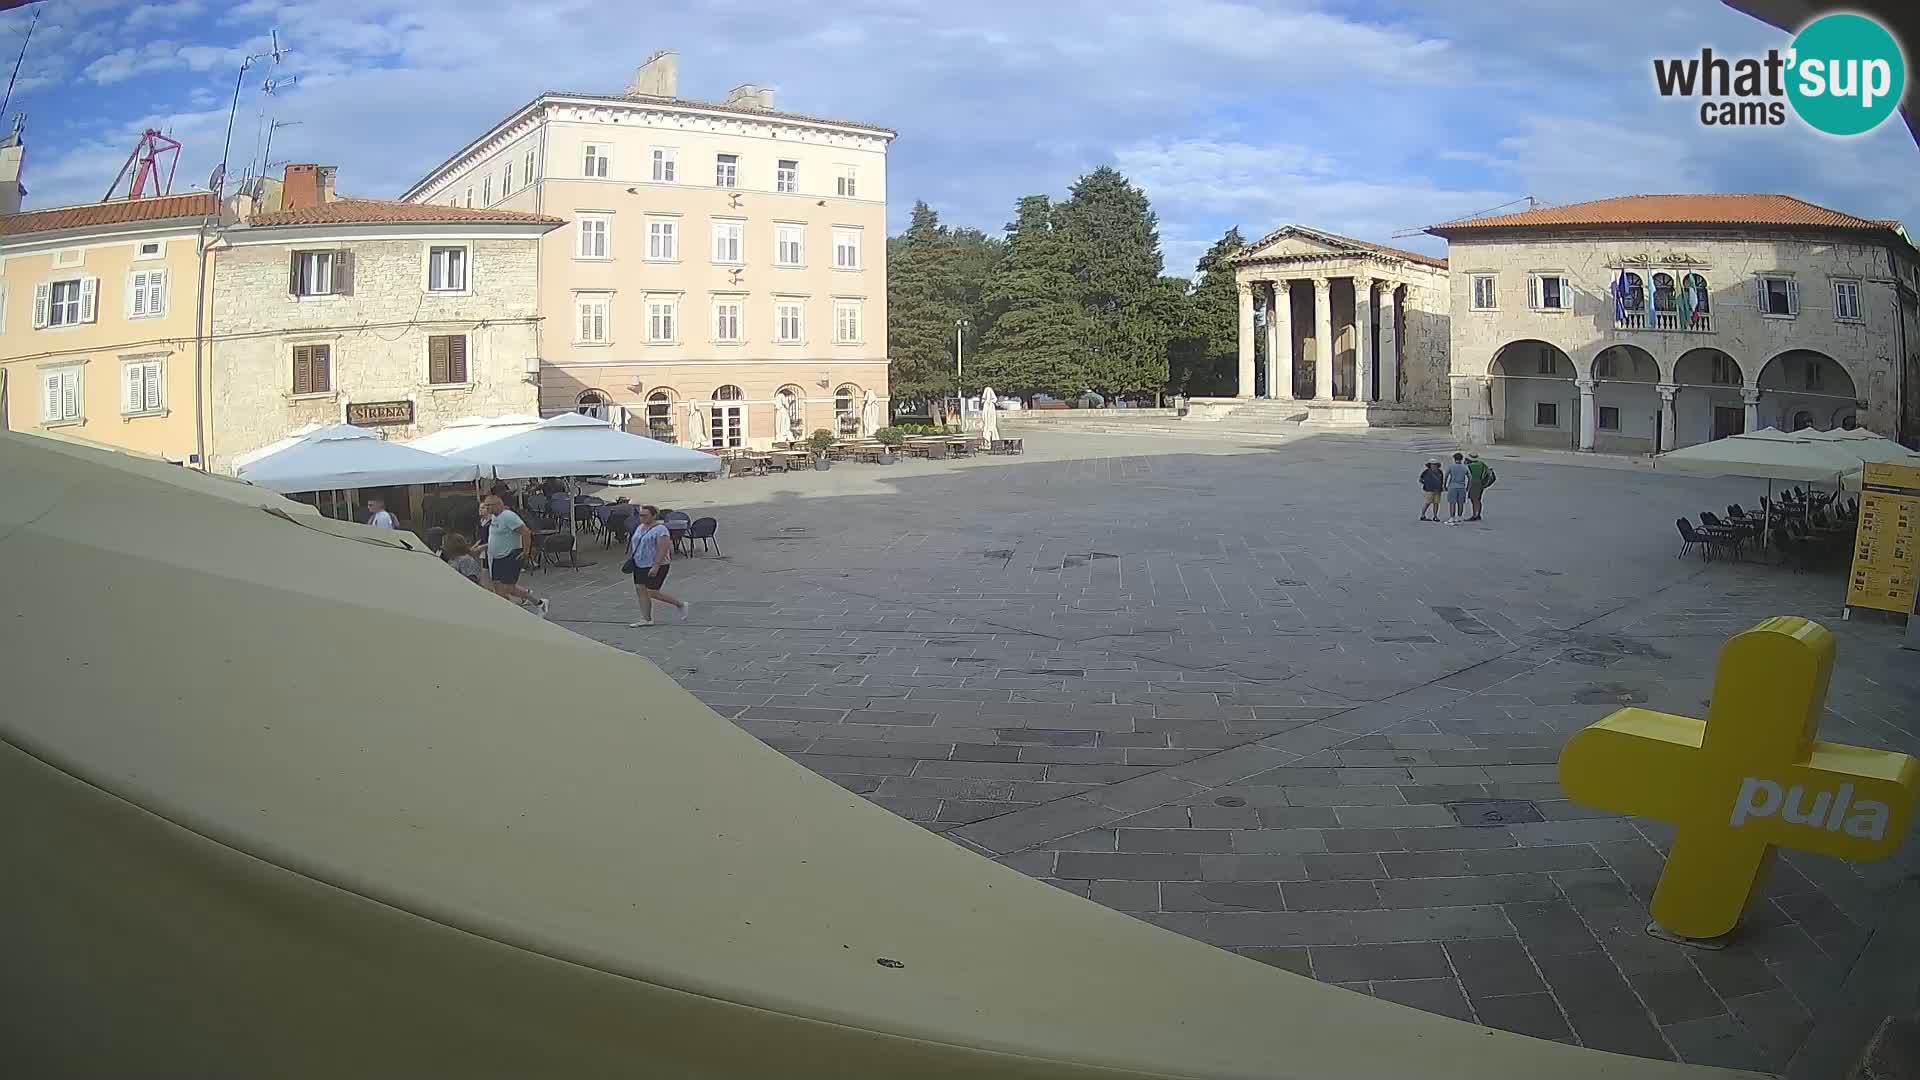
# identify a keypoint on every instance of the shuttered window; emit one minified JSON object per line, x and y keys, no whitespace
{"x":312,"y":369}
{"x":142,"y":382}
{"x":60,"y":395}
{"x":65,"y":303}
{"x":146,"y":294}
{"x":320,"y":273}
{"x":447,"y":359}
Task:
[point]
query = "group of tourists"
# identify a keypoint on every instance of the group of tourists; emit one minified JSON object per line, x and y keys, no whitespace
{"x":505,"y":551}
{"x":1465,"y":481}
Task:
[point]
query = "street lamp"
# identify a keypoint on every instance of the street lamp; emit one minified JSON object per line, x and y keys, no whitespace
{"x":959,"y":349}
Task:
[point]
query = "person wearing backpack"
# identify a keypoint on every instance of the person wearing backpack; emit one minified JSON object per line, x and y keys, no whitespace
{"x":1480,"y":478}
{"x":1432,"y":483}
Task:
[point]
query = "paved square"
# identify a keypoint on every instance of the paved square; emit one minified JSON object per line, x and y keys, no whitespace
{"x":1240,"y":692}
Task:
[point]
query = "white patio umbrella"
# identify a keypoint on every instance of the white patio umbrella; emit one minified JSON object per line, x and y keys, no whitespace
{"x":575,"y":445}
{"x":786,"y":409}
{"x":1767,"y":454}
{"x":471,"y":430}
{"x":340,"y":456}
{"x":989,"y":416}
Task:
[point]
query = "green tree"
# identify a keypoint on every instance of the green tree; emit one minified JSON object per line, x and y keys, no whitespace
{"x":1112,"y":248}
{"x":935,"y":277}
{"x":1204,"y":356}
{"x":1034,"y":334}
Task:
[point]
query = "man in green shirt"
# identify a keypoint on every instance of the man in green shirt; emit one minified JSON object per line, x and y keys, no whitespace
{"x":1479,"y":479}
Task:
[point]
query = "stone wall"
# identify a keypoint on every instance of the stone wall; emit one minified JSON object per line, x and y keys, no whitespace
{"x":378,"y":337}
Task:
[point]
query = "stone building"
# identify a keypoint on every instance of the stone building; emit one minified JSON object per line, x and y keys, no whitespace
{"x":1651,"y":322}
{"x":722,"y":277}
{"x":386,"y":314}
{"x":1379,"y":313}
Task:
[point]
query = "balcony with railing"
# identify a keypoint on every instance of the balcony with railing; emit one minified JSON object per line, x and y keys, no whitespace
{"x":1665,"y":322}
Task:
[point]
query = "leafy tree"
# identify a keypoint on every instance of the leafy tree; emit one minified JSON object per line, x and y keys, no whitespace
{"x":1035,"y":334}
{"x":1111,"y":236}
{"x":920,"y":314}
{"x":1204,"y":356}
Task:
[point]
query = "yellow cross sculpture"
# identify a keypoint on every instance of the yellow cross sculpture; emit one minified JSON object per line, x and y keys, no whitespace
{"x":1748,"y":778}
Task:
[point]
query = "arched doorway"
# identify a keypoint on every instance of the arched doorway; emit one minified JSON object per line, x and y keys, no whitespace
{"x":660,"y":414}
{"x":1801,"y":388}
{"x":727,"y":424}
{"x":1535,"y":402}
{"x":1626,"y":405}
{"x":1708,"y":404}
{"x":594,"y":403}
{"x":789,"y":414}
{"x":846,"y":410}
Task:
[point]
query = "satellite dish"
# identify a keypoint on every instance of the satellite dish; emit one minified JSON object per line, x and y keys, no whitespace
{"x":216,"y":178}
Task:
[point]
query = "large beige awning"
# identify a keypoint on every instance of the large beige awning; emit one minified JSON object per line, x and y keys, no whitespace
{"x":276,"y":803}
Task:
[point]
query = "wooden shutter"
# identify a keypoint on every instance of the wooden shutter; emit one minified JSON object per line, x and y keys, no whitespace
{"x":343,"y":273}
{"x":137,"y":293}
{"x":437,"y":360}
{"x":156,"y":292}
{"x":69,"y":395}
{"x":293,"y":275}
{"x":457,"y":358}
{"x":302,"y":369}
{"x":40,"y":302}
{"x":136,"y":389}
{"x":89,"y":298}
{"x":1793,"y":297}
{"x":50,"y":386}
{"x":322,"y":368}
{"x":1533,"y":290}
{"x":150,"y":378}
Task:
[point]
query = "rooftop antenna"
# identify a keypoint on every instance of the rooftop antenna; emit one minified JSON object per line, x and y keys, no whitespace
{"x":1532,"y":204}
{"x":17,"y":61}
{"x":268,"y":88}
{"x":266,"y":158}
{"x":276,"y":54}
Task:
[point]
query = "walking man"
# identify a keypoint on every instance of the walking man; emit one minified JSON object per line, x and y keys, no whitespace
{"x":650,"y":551}
{"x":508,"y":538}
{"x":377,"y":515}
{"x":1458,"y":479}
{"x":1479,"y":479}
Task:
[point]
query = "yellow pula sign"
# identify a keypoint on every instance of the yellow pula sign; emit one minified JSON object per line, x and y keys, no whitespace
{"x":1747,"y":779}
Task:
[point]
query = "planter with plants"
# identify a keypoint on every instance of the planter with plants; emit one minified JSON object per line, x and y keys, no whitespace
{"x":891,"y":439}
{"x":820,"y":442}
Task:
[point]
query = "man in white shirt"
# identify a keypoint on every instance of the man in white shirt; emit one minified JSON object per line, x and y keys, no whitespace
{"x":508,"y":538}
{"x":378,"y":517}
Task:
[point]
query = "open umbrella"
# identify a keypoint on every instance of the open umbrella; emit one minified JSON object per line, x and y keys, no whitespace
{"x":339,"y":456}
{"x":471,"y":430}
{"x":274,"y":803}
{"x":571,"y":444}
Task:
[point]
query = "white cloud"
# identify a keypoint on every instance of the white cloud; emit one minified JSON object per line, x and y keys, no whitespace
{"x":166,"y":16}
{"x":123,"y":64}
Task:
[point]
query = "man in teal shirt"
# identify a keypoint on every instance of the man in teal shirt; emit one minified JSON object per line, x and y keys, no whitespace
{"x":507,"y":538}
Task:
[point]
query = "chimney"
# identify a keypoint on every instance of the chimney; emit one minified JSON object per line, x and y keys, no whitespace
{"x":13,"y":154}
{"x":658,"y":77}
{"x":326,"y":183}
{"x":750,"y":96}
{"x":301,"y":187}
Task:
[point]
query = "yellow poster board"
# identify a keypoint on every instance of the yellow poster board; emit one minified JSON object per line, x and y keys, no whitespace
{"x":1886,"y":551}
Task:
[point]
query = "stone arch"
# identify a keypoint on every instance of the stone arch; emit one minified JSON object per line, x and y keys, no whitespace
{"x":1806,"y":388}
{"x":659,"y":412}
{"x":1532,"y":396}
{"x":594,"y":402}
{"x":1626,"y":399}
{"x":727,"y":418}
{"x":790,"y":413}
{"x":1708,"y":399}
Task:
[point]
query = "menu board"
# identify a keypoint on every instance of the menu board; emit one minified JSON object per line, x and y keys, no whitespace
{"x":1886,"y":551}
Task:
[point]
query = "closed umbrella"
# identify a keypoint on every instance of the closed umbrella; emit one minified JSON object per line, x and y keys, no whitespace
{"x":871,"y":418}
{"x":989,"y":416}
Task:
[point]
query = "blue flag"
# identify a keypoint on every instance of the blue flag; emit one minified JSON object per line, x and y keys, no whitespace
{"x":1620,"y":297}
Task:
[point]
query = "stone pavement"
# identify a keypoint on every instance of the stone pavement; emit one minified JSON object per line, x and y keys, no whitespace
{"x":1241,"y":693}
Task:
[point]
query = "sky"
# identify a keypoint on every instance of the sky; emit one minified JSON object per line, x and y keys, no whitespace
{"x":1368,"y":119}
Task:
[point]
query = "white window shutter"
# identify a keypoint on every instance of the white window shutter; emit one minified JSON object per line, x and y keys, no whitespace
{"x":1533,"y":290}
{"x":40,"y":295}
{"x":136,"y":388}
{"x":157,"y":291}
{"x":69,"y":395}
{"x":1763,"y":297}
{"x":50,"y":406}
{"x":89,"y":298}
{"x":152,"y":386}
{"x":1793,"y":297}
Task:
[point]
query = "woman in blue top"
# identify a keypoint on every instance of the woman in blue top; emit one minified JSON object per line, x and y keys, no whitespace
{"x":650,"y":550}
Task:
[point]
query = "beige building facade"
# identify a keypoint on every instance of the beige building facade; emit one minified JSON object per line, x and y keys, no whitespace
{"x":382,"y":314}
{"x":99,"y":330}
{"x":1355,"y":333}
{"x":721,"y":277}
{"x":1649,"y":323}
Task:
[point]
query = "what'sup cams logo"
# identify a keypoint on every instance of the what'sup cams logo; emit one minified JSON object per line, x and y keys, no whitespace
{"x":1843,"y":75}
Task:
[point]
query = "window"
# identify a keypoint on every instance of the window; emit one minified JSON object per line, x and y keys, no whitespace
{"x":65,"y":303}
{"x":1815,"y":376}
{"x":526,"y":170}
{"x":1609,"y":418}
{"x":1779,"y":297}
{"x":1546,"y":414}
{"x":1846,"y":301}
{"x":726,"y":170}
{"x":150,"y":249}
{"x":787,"y":326}
{"x":726,"y":320}
{"x":312,"y":370}
{"x":469,"y":198}
{"x":1484,"y":297}
{"x":845,"y":182}
{"x":60,"y":395}
{"x":660,"y":414}
{"x":142,"y":382}
{"x":447,"y":269}
{"x":1547,"y":292}
{"x":595,"y":161}
{"x":663,"y":239}
{"x":593,"y":237}
{"x":786,"y":177}
{"x":728,"y":426}
{"x":1603,"y":366}
{"x":664,"y":161}
{"x":787,"y":249}
{"x":1545,"y":363}
{"x":660,"y":328}
{"x":146,"y":294}
{"x":846,"y":322}
{"x":1695,"y":303}
{"x":593,"y":319}
{"x":447,"y":359}
{"x":1725,"y":371}
{"x":728,"y":239}
{"x":320,"y":273}
{"x":1633,"y":294}
{"x":506,"y":180}
{"x":846,"y":249}
{"x":846,"y":411}
{"x":486,"y":191}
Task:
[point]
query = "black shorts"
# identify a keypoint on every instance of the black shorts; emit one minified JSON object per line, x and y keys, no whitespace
{"x":650,"y":577}
{"x":505,"y":569}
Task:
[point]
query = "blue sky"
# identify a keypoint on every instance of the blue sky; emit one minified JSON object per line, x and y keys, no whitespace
{"x":1359,"y":118}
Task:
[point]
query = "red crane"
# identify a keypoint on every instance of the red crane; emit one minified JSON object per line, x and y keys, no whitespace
{"x":145,"y":163}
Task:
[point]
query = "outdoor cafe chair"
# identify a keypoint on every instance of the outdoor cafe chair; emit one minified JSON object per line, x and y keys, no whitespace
{"x":1727,"y":536}
{"x":1690,"y":539}
{"x":702,"y":529}
{"x":554,"y":546}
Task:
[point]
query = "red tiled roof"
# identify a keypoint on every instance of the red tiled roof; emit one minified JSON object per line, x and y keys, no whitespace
{"x":390,"y":212}
{"x":1765,"y":211}
{"x":1338,"y":241}
{"x":118,"y":212}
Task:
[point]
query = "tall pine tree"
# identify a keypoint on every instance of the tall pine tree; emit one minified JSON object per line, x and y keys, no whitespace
{"x":1035,"y":336}
{"x":1112,"y":241}
{"x":1205,"y":353}
{"x":920,"y":314}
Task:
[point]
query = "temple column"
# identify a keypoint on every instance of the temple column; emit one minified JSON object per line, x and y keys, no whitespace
{"x":1280,"y":342}
{"x":1587,"y":413}
{"x":1668,"y":425}
{"x":1752,"y":399}
{"x":1246,"y":339}
{"x":1389,"y":343}
{"x":1363,"y":338}
{"x":1322,"y":339}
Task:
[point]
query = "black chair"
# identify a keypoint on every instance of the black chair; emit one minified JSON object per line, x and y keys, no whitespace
{"x":1727,"y":536}
{"x":557,"y":545}
{"x":1793,"y":551}
{"x":1690,"y":540}
{"x":702,"y":530}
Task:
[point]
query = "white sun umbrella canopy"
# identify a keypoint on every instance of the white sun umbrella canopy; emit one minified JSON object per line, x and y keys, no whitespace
{"x":473,"y":430}
{"x":340,"y":456}
{"x":575,"y":445}
{"x":1766,"y":454}
{"x":989,"y":415}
